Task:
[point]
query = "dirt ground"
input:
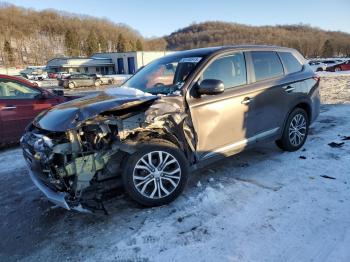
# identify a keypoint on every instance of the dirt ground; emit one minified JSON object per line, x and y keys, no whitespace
{"x":256,"y":206}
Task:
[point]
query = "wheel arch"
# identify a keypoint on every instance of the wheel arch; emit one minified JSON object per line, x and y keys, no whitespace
{"x":158,"y":134}
{"x":305,"y":105}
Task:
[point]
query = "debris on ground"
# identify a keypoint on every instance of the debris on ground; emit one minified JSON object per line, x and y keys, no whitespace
{"x":329,"y":177}
{"x":345,"y":138}
{"x":244,"y":165}
{"x":199,"y":184}
{"x":336,"y":145}
{"x":302,"y":157}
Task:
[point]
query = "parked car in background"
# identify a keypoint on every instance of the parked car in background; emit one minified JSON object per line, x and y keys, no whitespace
{"x":20,"y":102}
{"x":317,"y":66}
{"x":149,"y":132}
{"x":331,"y":62}
{"x":105,"y":79}
{"x":34,"y":74}
{"x":62,"y":75}
{"x":343,"y":66}
{"x":79,"y":80}
{"x":52,"y":75}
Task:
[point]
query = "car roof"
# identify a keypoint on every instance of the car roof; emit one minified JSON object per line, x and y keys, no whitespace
{"x":217,"y":49}
{"x":208,"y":51}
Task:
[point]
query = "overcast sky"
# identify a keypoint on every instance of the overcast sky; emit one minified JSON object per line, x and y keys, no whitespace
{"x":161,"y":17}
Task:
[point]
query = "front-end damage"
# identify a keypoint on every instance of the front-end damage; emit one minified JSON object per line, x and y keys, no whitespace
{"x":76,"y":166}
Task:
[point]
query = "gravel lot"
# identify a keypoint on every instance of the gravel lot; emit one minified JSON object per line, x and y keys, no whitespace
{"x":261,"y":205}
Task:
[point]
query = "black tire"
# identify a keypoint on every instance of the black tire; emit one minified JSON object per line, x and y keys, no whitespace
{"x":130,"y":167}
{"x":319,"y":69}
{"x":286,"y":142}
{"x":337,"y":69}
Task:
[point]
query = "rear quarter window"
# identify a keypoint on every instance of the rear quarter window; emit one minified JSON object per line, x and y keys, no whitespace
{"x":266,"y":65}
{"x":291,"y":64}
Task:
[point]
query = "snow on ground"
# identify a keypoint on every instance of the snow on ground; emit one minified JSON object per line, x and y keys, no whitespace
{"x":335,"y":90}
{"x":261,"y":205}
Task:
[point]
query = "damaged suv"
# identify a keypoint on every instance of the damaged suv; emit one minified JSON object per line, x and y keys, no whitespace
{"x":178,"y":113}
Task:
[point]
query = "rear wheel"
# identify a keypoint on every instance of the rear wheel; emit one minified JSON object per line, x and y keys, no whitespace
{"x":156,"y":174}
{"x":295,"y":131}
{"x":71,"y":85}
{"x":97,"y":83}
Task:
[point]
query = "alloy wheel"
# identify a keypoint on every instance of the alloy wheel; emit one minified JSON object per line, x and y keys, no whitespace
{"x":156,"y":174}
{"x":297,"y":130}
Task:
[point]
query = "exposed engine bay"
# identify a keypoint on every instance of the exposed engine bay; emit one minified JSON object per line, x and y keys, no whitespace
{"x":85,"y":161}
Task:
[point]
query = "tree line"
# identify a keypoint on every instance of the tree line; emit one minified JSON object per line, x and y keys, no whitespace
{"x":310,"y":41}
{"x":33,"y":37}
{"x":30,"y":37}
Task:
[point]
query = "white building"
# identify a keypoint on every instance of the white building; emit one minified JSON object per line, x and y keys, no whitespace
{"x":104,"y":66}
{"x":130,"y":62}
{"x":105,"y":63}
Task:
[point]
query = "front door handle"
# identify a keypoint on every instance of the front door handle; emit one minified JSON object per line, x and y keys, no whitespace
{"x":8,"y":107}
{"x":247,"y":100}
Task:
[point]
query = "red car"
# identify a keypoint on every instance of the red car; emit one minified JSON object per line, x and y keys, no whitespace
{"x":20,"y":102}
{"x":52,"y":75}
{"x":340,"y":67}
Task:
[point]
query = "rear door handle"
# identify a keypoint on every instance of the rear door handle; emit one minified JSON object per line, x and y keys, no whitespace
{"x":8,"y":107}
{"x":289,"y":89}
{"x":247,"y":100}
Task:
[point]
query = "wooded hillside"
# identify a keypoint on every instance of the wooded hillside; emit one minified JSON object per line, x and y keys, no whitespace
{"x":311,"y":42}
{"x":33,"y":37}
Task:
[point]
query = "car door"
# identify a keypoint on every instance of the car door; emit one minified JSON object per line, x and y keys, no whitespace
{"x":86,"y":80}
{"x":271,"y":103}
{"x":19,"y":104}
{"x":244,"y":113}
{"x":220,"y":120}
{"x":346,"y":65}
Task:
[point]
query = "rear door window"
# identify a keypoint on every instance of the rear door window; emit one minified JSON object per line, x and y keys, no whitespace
{"x":15,"y":90}
{"x":266,"y":65}
{"x":231,"y":70}
{"x":291,"y":64}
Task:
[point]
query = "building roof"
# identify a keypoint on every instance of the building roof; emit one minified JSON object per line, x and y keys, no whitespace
{"x":79,"y":62}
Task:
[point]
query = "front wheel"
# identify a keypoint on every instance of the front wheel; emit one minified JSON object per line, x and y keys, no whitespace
{"x":295,"y":131}
{"x":156,"y":174}
{"x":337,"y":69}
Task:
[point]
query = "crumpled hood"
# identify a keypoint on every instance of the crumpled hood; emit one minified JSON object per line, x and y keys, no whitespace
{"x":70,"y":114}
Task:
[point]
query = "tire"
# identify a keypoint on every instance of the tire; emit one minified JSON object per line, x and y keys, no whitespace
{"x":337,"y":69}
{"x":71,"y":85}
{"x":97,"y":83}
{"x":150,"y":193}
{"x":291,"y":140}
{"x":319,"y":69}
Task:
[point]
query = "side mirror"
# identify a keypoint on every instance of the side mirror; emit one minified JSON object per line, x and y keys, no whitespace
{"x":211,"y":87}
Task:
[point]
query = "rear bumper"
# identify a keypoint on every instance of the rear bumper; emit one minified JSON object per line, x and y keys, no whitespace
{"x":58,"y":198}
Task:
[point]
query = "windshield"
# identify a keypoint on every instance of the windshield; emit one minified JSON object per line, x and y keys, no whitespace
{"x":164,"y":75}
